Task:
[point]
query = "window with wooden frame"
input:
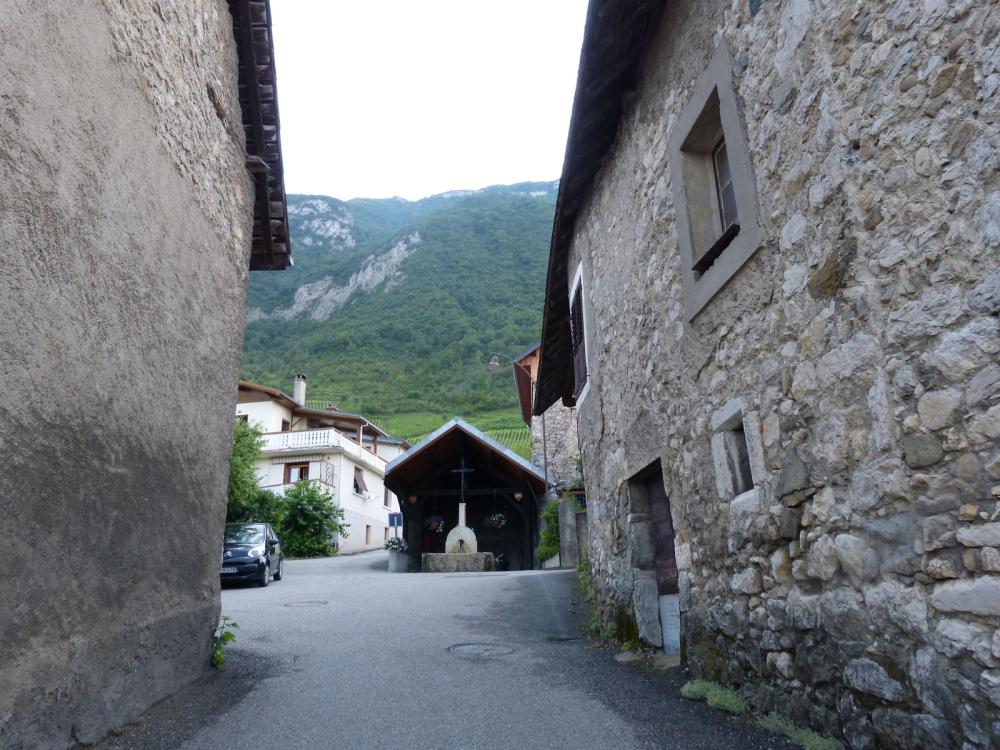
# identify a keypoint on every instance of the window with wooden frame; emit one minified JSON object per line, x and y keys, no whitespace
{"x":286,"y":426}
{"x":714,"y":192}
{"x":360,"y":487}
{"x":578,"y":339}
{"x":296,"y":472}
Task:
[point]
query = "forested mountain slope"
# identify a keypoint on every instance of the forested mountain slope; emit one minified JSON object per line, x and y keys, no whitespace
{"x":393,"y":306}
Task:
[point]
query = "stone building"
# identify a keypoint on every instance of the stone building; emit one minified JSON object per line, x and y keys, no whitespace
{"x":554,"y":443}
{"x":140,"y":178}
{"x":772,"y":296}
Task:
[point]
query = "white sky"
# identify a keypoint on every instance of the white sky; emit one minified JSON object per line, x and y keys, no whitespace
{"x":415,"y":97}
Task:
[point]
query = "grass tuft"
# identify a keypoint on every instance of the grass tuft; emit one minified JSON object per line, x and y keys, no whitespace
{"x":717,"y":696}
{"x":805,"y":738}
{"x":696,"y":690}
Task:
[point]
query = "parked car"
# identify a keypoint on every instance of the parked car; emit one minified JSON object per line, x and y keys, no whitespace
{"x":251,"y":552}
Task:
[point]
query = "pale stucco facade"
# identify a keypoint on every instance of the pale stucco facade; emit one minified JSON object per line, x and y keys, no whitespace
{"x":125,"y":213}
{"x":332,"y":459}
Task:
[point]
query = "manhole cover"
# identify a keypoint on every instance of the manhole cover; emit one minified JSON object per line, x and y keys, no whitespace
{"x":306,"y":604}
{"x":480,"y":649}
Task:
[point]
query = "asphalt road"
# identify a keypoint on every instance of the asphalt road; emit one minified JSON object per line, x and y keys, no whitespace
{"x":342,"y":654}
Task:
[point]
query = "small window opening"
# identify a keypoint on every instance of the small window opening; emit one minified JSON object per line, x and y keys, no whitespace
{"x":286,"y":426}
{"x":738,"y":459}
{"x":368,"y":535}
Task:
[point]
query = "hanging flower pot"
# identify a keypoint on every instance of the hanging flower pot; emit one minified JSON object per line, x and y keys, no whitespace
{"x":434,"y":523}
{"x":496,"y":521}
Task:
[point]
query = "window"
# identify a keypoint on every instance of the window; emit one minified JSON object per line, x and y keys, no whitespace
{"x":724,"y":190}
{"x":385,"y":533}
{"x":242,"y":418}
{"x":714,"y":193}
{"x":738,"y":459}
{"x":736,"y":450}
{"x":296,"y":472}
{"x":360,"y":487}
{"x":578,"y":339}
{"x":385,"y":498}
{"x":286,"y":426}
{"x":368,"y":535}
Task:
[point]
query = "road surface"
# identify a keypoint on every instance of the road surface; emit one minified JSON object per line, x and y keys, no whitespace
{"x":342,"y":654}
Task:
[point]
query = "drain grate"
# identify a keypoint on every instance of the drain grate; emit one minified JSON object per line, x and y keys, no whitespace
{"x":306,"y":604}
{"x":481,"y":650}
{"x":563,"y":638}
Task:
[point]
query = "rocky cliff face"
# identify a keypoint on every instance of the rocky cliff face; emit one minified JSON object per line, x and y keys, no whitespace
{"x":321,"y":299}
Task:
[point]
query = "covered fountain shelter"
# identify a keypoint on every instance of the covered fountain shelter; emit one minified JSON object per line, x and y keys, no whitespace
{"x":458,"y":472}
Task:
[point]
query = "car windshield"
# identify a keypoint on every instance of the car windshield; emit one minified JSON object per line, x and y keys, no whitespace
{"x":244,"y":534}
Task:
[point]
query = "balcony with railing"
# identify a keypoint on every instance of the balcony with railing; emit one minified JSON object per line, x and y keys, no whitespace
{"x":307,"y":441}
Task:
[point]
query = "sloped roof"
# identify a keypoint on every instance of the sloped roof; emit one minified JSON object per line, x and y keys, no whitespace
{"x":297,"y":408}
{"x":445,"y":441}
{"x":617,"y":35}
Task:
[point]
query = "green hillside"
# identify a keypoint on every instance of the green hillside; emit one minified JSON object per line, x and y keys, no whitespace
{"x":408,"y":349}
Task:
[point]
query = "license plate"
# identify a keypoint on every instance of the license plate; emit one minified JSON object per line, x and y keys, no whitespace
{"x":229,"y":570}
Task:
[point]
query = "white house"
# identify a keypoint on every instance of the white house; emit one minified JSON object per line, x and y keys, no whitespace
{"x":343,"y":453}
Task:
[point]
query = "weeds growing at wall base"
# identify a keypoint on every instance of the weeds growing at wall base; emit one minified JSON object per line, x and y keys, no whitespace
{"x":222,"y":636}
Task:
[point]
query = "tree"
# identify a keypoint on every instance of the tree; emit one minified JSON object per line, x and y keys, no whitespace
{"x":244,"y":486}
{"x":309,"y":521}
{"x":548,"y":544}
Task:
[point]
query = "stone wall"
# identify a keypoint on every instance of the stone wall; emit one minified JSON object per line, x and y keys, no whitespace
{"x":125,"y":213}
{"x":563,"y":449}
{"x":858,"y":586}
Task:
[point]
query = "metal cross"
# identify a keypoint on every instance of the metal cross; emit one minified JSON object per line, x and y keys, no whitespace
{"x":462,"y":471}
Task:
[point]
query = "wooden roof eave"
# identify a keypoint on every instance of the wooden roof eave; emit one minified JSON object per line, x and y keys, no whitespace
{"x":616,"y":38}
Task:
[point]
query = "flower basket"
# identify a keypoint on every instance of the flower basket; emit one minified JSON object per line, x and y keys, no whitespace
{"x":396,"y":544}
{"x":496,"y":521}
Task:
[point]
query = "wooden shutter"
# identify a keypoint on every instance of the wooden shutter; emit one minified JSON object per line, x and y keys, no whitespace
{"x":359,"y":480}
{"x":579,"y":347}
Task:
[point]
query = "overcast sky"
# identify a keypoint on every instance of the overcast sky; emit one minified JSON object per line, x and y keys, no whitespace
{"x":415,"y":97}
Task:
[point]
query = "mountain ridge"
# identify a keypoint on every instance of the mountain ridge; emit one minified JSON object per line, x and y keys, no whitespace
{"x":394,"y":306}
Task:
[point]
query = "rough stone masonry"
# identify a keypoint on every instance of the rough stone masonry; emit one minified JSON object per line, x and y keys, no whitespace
{"x":125,"y":214}
{"x":857,"y":586}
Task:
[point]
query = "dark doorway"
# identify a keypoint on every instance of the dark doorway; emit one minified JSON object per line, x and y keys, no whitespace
{"x":664,"y":558}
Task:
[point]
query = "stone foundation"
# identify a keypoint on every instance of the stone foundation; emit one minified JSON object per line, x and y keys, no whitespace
{"x":440,"y":562}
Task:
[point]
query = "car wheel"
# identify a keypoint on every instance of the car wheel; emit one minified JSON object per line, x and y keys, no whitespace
{"x":280,"y":570}
{"x":266,"y":578}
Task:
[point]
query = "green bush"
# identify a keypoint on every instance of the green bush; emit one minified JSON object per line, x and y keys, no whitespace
{"x":309,"y":521}
{"x":548,"y":546}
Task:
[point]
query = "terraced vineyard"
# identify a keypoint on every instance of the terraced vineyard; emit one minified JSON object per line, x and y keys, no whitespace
{"x":518,"y":439}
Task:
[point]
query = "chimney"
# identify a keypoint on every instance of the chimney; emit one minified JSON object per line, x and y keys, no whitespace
{"x":299,"y":392}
